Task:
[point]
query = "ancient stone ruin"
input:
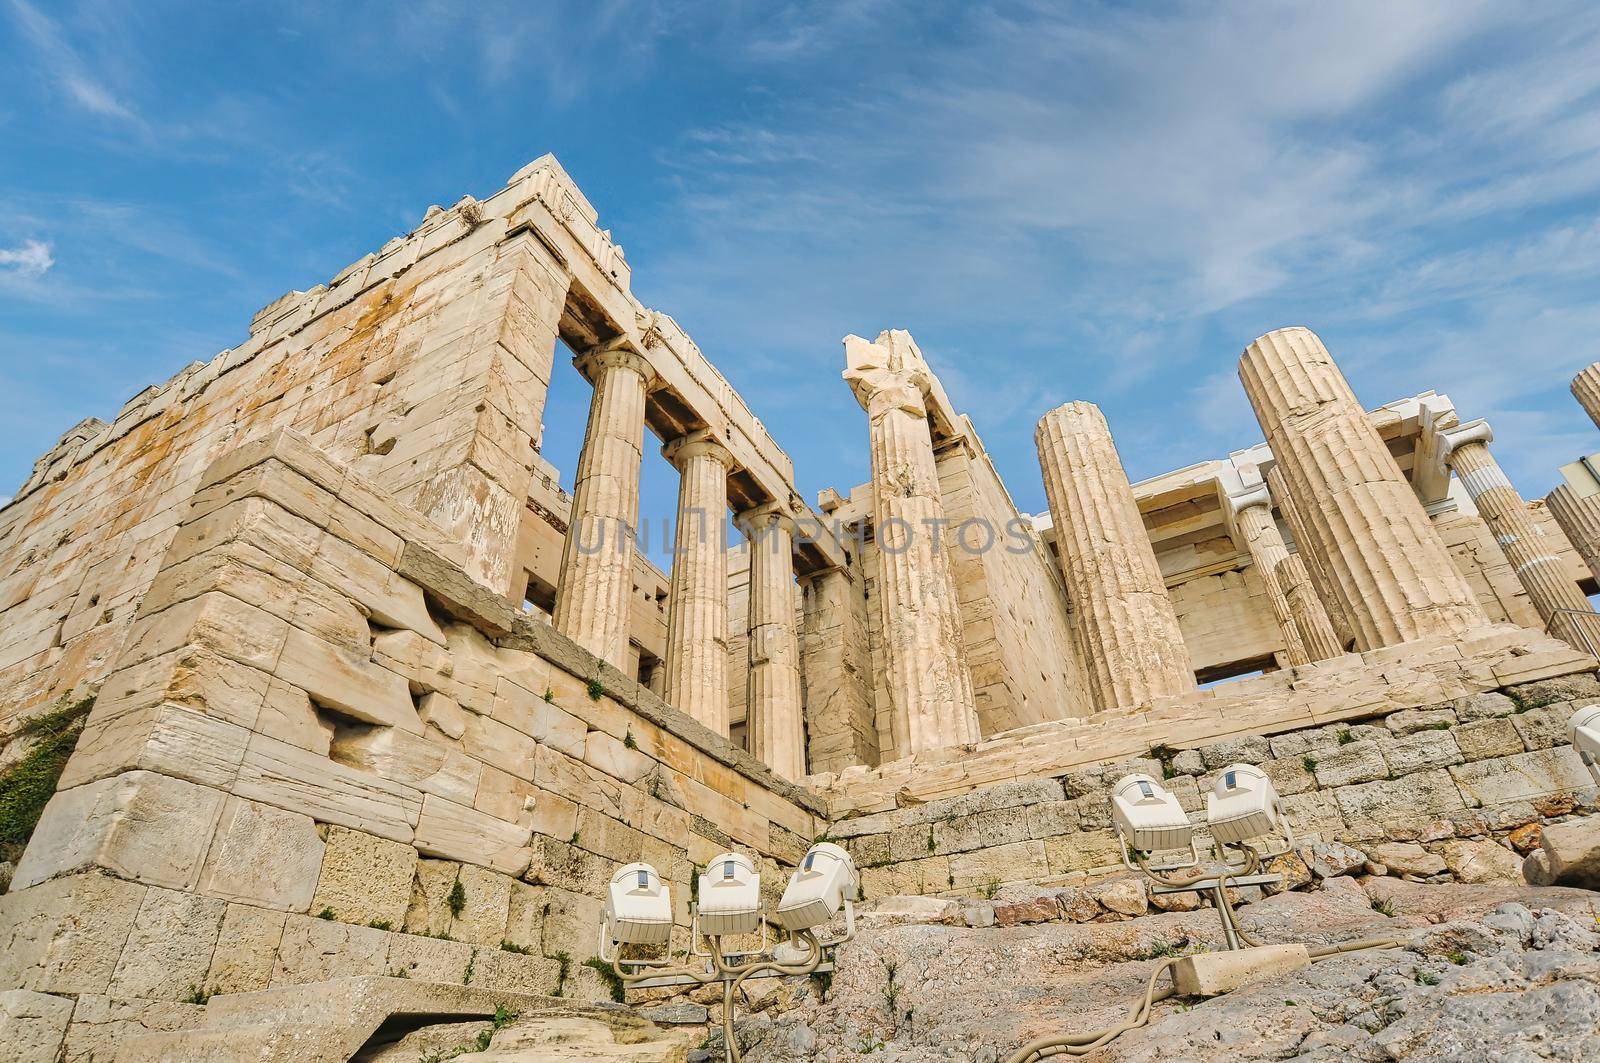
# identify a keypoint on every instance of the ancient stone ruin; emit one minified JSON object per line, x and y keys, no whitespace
{"x":322,"y":704}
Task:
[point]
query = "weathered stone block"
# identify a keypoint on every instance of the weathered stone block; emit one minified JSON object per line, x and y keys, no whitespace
{"x":1481,"y":861}
{"x":247,"y":948}
{"x":1521,"y":777}
{"x":1409,"y":721}
{"x":1000,"y":827}
{"x":101,"y":1024}
{"x":1251,"y":749}
{"x":1082,"y":851}
{"x":1017,"y":862}
{"x":365,"y":879}
{"x":264,"y":856}
{"x":1351,"y":763}
{"x":1543,"y":728}
{"x":456,"y":832}
{"x":486,"y":907}
{"x":1399,"y":808}
{"x":1053,"y":819}
{"x":65,"y":936}
{"x":429,"y":959}
{"x":1420,"y":750}
{"x":169,"y":951}
{"x":1290,"y":775}
{"x":429,"y":908}
{"x":139,"y":825}
{"x":1486,"y":706}
{"x":497,"y":969}
{"x":32,"y":1025}
{"x":315,"y":950}
{"x":1487,"y":739}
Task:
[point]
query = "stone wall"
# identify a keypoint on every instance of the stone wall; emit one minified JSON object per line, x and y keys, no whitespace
{"x":1474,"y":767}
{"x":325,"y":750}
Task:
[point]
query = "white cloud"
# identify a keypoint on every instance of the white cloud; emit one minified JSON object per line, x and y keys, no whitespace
{"x":31,"y":258}
{"x":62,"y":63}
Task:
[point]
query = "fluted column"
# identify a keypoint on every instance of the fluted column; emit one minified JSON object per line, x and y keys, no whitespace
{"x":1539,"y":568}
{"x":1579,"y":520}
{"x":594,"y":597}
{"x":1126,"y":625}
{"x":1391,"y":571}
{"x":1317,"y":636}
{"x":697,"y":617}
{"x":1586,"y":389}
{"x":1311,"y":565}
{"x":930,"y":689}
{"x":1308,"y":636}
{"x":774,"y":723}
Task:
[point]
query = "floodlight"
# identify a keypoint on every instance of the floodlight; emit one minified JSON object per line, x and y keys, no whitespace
{"x":1244,"y":806}
{"x":825,"y":880}
{"x":730,"y":897}
{"x":1584,"y":730}
{"x":1148,"y":817}
{"x":638,"y":910}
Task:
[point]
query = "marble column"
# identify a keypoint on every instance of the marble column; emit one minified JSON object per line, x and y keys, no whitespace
{"x":1310,"y":564}
{"x":697,"y":618}
{"x":930,"y":689}
{"x":1125,"y":623}
{"x":1579,"y":520}
{"x":1311,"y":622}
{"x":1536,"y":562}
{"x":774,"y":720}
{"x":1309,"y":636}
{"x":1390,"y":569}
{"x":595,"y":597}
{"x":1586,"y":389}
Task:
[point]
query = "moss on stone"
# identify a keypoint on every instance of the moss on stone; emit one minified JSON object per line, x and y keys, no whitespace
{"x":27,"y":786}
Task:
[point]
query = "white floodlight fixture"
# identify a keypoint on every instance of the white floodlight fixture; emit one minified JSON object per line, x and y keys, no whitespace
{"x":824,"y":882}
{"x":1244,"y":806}
{"x":1148,"y":817}
{"x":730,"y":897}
{"x":638,"y":911}
{"x":1584,"y":730}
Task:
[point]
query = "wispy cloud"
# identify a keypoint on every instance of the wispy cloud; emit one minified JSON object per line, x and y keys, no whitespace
{"x":60,"y":62}
{"x":31,"y":258}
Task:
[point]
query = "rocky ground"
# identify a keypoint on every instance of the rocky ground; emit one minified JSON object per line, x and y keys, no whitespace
{"x":1495,"y":971}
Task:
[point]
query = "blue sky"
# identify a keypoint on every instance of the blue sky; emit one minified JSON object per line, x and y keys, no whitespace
{"x":1060,"y":201}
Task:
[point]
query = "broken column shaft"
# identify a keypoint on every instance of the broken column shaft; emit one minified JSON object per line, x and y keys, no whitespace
{"x":1390,"y":570}
{"x":1126,"y":626}
{"x":929,"y":687}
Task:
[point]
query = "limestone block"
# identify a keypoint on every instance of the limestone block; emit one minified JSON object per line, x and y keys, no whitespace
{"x":32,"y":1025}
{"x":264,"y":856}
{"x":314,"y":950}
{"x":408,"y":759}
{"x":1487,"y":739}
{"x":1192,"y":762}
{"x":456,"y":832}
{"x":101,"y":1024}
{"x":140,"y":825}
{"x":604,"y":753}
{"x":557,"y":863}
{"x":1420,"y":750}
{"x":1082,"y":852}
{"x":1353,"y":762}
{"x":1314,"y":814}
{"x":429,"y":959}
{"x":487,"y":907}
{"x":1399,"y":808}
{"x":247,"y":948}
{"x":539,"y":719}
{"x":172,"y":740}
{"x":1481,"y":861}
{"x":1289,"y":776}
{"x":1543,"y":728}
{"x":1571,"y":853}
{"x":1407,"y":858}
{"x":191,"y":676}
{"x":1250,"y":749}
{"x":444,"y":713}
{"x":1330,"y":859}
{"x":514,"y":972}
{"x":280,"y":774}
{"x":607,"y":838}
{"x":1521,"y":777}
{"x":525,"y":916}
{"x":502,"y":746}
{"x":429,"y":908}
{"x":169,"y":950}
{"x":365,"y":879}
{"x":215,"y":622}
{"x":65,"y":936}
{"x":341,"y":680}
{"x":1048,"y":820}
{"x":571,"y":922}
{"x":1409,"y":721}
{"x":999,"y":827}
{"x":1123,"y":896}
{"x":1018,"y":862}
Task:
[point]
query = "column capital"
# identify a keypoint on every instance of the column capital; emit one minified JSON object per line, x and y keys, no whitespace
{"x":702,"y":441}
{"x":619,"y":354}
{"x":1452,"y":439}
{"x":763,"y":516}
{"x":1254,"y":495}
